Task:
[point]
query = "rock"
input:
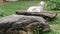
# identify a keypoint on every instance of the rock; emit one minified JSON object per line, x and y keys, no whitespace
{"x":18,"y":22}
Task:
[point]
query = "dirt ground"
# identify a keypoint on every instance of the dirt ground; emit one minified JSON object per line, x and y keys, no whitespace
{"x":1,"y":3}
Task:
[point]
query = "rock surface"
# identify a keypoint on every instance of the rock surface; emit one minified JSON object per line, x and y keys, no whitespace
{"x":21,"y":22}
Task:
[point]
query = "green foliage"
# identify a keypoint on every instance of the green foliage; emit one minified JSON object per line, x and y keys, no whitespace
{"x":28,"y":0}
{"x":11,"y":8}
{"x":54,"y":4}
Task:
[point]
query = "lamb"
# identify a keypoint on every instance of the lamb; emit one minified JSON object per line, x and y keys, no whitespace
{"x":38,"y":8}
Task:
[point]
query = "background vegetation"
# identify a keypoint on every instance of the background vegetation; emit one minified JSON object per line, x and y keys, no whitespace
{"x":54,"y":4}
{"x":11,"y":8}
{"x":51,"y":4}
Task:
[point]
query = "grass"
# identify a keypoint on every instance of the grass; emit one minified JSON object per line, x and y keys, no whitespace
{"x":54,"y":25}
{"x":11,"y":8}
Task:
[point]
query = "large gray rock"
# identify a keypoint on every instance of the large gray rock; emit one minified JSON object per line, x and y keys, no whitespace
{"x":22,"y":22}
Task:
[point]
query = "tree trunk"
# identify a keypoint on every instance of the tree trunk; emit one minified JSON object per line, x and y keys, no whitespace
{"x":43,"y":14}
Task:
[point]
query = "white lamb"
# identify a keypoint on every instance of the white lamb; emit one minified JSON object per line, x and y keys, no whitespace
{"x":38,"y":8}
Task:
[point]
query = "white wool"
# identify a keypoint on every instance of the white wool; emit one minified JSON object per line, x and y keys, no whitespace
{"x":35,"y":9}
{"x":42,"y":3}
{"x":38,"y":8}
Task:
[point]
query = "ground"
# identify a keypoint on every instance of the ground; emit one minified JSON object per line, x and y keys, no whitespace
{"x":11,"y":8}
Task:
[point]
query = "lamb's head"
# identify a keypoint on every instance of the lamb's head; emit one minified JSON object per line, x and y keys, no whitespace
{"x":42,"y":3}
